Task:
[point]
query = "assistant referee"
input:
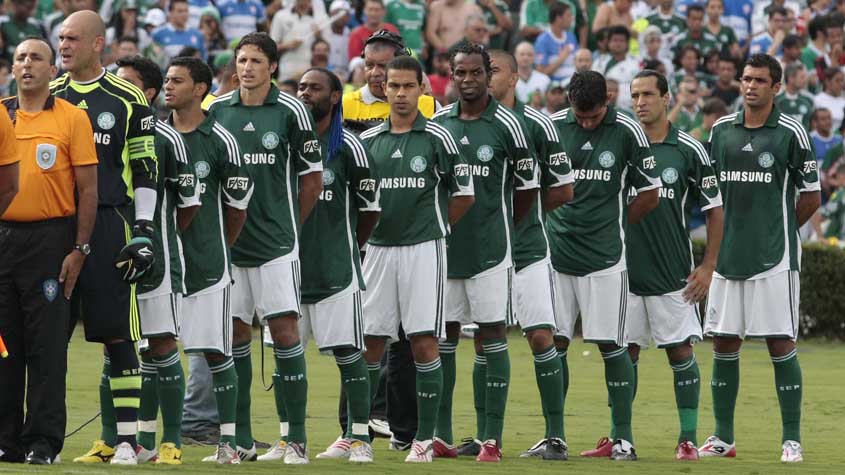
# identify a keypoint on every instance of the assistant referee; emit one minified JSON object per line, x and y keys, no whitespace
{"x":42,"y":249}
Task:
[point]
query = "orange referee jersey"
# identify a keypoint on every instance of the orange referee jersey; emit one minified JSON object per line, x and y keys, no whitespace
{"x":7,"y":141}
{"x":49,"y":144}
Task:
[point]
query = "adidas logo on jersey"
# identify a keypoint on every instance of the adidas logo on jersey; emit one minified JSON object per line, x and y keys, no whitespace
{"x":747,"y":148}
{"x":82,"y":105}
{"x":587,"y":146}
{"x":464,"y":140}
{"x":396,"y":154}
{"x":249,"y":127}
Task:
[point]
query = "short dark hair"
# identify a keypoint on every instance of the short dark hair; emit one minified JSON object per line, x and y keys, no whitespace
{"x":828,"y":73}
{"x":662,"y":83}
{"x":816,"y":26}
{"x":681,"y":52}
{"x":173,"y":2}
{"x":777,"y":11}
{"x":714,"y":105}
{"x":814,"y":115}
{"x":468,"y":49}
{"x":263,"y":42}
{"x":507,"y":57}
{"x":147,"y":69}
{"x":652,"y":64}
{"x":587,"y":90}
{"x":618,"y":30}
{"x":198,"y":69}
{"x":835,"y":20}
{"x":318,"y":41}
{"x":187,"y":51}
{"x":695,"y":7}
{"x":128,"y":39}
{"x":405,"y":63}
{"x":792,"y":41}
{"x":291,"y":83}
{"x":43,"y":40}
{"x":557,"y":9}
{"x":762,"y":60}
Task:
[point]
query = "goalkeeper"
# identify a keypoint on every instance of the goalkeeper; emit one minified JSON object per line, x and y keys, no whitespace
{"x":121,"y":247}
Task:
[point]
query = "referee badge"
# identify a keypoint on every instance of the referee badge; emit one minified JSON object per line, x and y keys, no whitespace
{"x":51,"y":289}
{"x":45,"y":155}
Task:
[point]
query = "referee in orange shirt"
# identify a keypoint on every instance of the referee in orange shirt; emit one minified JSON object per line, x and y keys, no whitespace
{"x":43,"y":243}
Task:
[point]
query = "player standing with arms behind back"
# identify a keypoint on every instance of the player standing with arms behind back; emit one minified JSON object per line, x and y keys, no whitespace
{"x":124,"y":134}
{"x":281,"y":150}
{"x":770,"y":183}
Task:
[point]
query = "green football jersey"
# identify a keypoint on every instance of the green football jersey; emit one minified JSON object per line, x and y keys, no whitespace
{"x":409,"y":18}
{"x":725,"y":38}
{"x":703,"y":43}
{"x":501,"y":161}
{"x":177,"y":188}
{"x":659,"y":250}
{"x":418,"y":171}
{"x":222,"y":180}
{"x":669,"y":25}
{"x":834,"y":211}
{"x":278,"y":145}
{"x":497,"y":41}
{"x":799,"y":107}
{"x":13,"y":33}
{"x":587,"y":235}
{"x":760,"y":173}
{"x":328,"y":249}
{"x":531,"y":244}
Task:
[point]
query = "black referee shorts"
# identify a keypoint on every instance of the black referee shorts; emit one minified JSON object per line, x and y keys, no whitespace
{"x":34,"y":318}
{"x":102,"y":300}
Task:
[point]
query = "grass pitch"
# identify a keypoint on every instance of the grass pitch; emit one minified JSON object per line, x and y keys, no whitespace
{"x":587,"y":417}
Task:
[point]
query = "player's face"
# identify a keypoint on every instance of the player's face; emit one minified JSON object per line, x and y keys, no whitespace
{"x":316,"y":93}
{"x":469,"y":77}
{"x":32,"y":67}
{"x":648,"y":104}
{"x":133,"y":76}
{"x":253,"y":68}
{"x":589,"y":119}
{"x":757,"y":87}
{"x":78,"y":49}
{"x":502,"y":79}
{"x":180,"y":90}
{"x":375,"y":65}
{"x":403,"y":92}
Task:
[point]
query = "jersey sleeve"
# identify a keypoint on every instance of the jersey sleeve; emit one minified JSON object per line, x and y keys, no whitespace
{"x":304,"y":141}
{"x":235,"y":182}
{"x":802,"y":167}
{"x":183,"y":174}
{"x":520,"y":155}
{"x":363,"y":181}
{"x":140,"y":139}
{"x":554,"y":165}
{"x":82,"y":149}
{"x":703,"y":177}
{"x":451,"y":163}
{"x":8,"y":143}
{"x":642,"y":167}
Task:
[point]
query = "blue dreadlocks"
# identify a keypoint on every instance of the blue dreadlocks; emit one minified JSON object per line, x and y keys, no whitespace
{"x":336,"y":127}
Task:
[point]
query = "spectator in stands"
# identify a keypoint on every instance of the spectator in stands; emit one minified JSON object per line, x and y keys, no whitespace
{"x":476,"y":31}
{"x":289,"y":86}
{"x":534,"y":19}
{"x":189,"y":52}
{"x":816,"y":46}
{"x":447,"y":21}
{"x":440,"y":77}
{"x":618,"y":64}
{"x":794,"y":99}
{"x":125,"y":47}
{"x":711,"y":63}
{"x":771,"y":40}
{"x":668,"y":22}
{"x":613,"y":13}
{"x":240,"y":17}
{"x":374,"y":9}
{"x":834,"y":210}
{"x":583,"y":60}
{"x":337,"y":34}
{"x":696,"y":35}
{"x":835,"y":55}
{"x":175,"y":34}
{"x":195,"y":8}
{"x":15,"y":27}
{"x":686,"y":114}
{"x":294,"y":29}
{"x":320,"y":54}
{"x":555,"y":99}
{"x":555,"y":48}
{"x":125,"y":22}
{"x":215,"y":41}
{"x":652,"y":49}
{"x":6,"y":78}
{"x":822,"y":133}
{"x":688,"y":63}
{"x":496,"y":14}
{"x":831,"y":97}
{"x":712,"y":110}
{"x":409,"y":17}
{"x":738,"y":16}
{"x":226,"y":79}
{"x":726,"y":87}
{"x":655,"y":65}
{"x":531,"y":82}
{"x":791,"y":51}
{"x":724,"y":34}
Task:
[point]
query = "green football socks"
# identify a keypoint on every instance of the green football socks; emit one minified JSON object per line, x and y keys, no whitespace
{"x":549,"y":374}
{"x":687,"y":382}
{"x":788,"y":384}
{"x":498,"y":380}
{"x":171,"y":396}
{"x":224,"y":380}
{"x":284,"y":427}
{"x":355,"y":381}
{"x":148,"y":409}
{"x":619,"y":376}
{"x":448,"y":370}
{"x":242,"y":358}
{"x":479,"y":394}
{"x":725,"y":386}
{"x":290,"y":363}
{"x":429,"y":392}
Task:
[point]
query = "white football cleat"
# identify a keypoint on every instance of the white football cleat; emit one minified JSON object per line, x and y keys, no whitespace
{"x":124,"y":454}
{"x":360,"y":452}
{"x":421,"y":452}
{"x":715,"y":447}
{"x":792,"y":452}
{"x":276,"y":452}
{"x":226,"y":455}
{"x":297,"y":454}
{"x":144,"y":456}
{"x":248,"y":455}
{"x":338,"y":450}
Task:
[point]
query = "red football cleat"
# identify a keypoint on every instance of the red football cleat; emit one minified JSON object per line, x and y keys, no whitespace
{"x":489,"y":452}
{"x":604,"y":447}
{"x":686,"y":451}
{"x":443,"y":450}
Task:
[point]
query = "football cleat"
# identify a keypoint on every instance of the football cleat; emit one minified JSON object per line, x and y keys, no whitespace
{"x":124,"y":454}
{"x":623,"y":450}
{"x":556,"y":449}
{"x":792,"y":452}
{"x":421,"y":452}
{"x":34,"y":458}
{"x":338,"y":450}
{"x":604,"y":447}
{"x":226,"y":455}
{"x":399,"y":445}
{"x":145,"y":455}
{"x":360,"y":452}
{"x":536,"y":450}
{"x":440,"y":449}
{"x":248,"y":455}
{"x":297,"y":454}
{"x":686,"y":450}
{"x":469,"y":447}
{"x":276,"y":452}
{"x":380,"y":427}
{"x":715,"y":447}
{"x":489,"y":452}
{"x":99,"y":453}
{"x":169,"y":454}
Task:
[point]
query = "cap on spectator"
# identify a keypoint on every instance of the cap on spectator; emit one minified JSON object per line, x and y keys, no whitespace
{"x":155,"y":17}
{"x":210,"y":11}
{"x":338,"y":5}
{"x":222,"y":59}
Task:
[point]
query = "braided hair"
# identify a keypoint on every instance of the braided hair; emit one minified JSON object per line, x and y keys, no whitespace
{"x":336,"y":127}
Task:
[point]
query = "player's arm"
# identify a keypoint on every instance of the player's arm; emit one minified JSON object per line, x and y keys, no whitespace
{"x":237,"y":189}
{"x":364,"y":187}
{"x":642,"y":170}
{"x":310,"y":187}
{"x":9,"y":178}
{"x":9,"y":167}
{"x":804,"y":170}
{"x":710,"y":201}
{"x":140,"y":140}
{"x":454,"y":168}
{"x":188,"y":190}
{"x":308,"y":159}
{"x":526,"y":179}
{"x":556,"y":174}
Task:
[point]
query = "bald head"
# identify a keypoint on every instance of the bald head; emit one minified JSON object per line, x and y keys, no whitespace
{"x":86,"y":21}
{"x":583,"y":60}
{"x":524,"y":53}
{"x":81,"y":43}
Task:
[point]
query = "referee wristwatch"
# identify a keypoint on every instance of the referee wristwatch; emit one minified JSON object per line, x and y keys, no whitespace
{"x":85,"y":249}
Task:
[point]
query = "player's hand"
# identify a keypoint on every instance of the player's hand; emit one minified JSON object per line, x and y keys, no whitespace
{"x":71,"y":267}
{"x":698,"y":284}
{"x":137,"y":256}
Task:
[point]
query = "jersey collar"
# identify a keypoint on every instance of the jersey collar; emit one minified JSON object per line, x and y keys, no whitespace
{"x":12,"y":105}
{"x":488,"y":114}
{"x":272,"y":96}
{"x":418,"y":125}
{"x":205,"y":127}
{"x":368,"y":97}
{"x":672,"y":136}
{"x":771,"y":122}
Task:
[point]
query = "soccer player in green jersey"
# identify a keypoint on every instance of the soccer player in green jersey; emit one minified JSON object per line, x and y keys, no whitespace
{"x":532,"y":282}
{"x":281,"y":151}
{"x":609,"y":154}
{"x":160,"y":290}
{"x":664,"y":294}
{"x":425,"y":187}
{"x":503,"y":166}
{"x":332,"y":282}
{"x":225,"y":189}
{"x":124,"y":134}
{"x":770,"y":184}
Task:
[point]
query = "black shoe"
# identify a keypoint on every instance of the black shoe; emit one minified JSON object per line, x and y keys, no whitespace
{"x":260,"y":445}
{"x":34,"y":458}
{"x":10,"y":457}
{"x":469,"y":447}
{"x":556,"y":449}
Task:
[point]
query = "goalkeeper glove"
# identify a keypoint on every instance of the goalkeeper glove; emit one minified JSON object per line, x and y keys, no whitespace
{"x":137,"y":255}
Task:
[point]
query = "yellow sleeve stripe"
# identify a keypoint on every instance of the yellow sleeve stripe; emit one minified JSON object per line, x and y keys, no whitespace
{"x":128,"y":87}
